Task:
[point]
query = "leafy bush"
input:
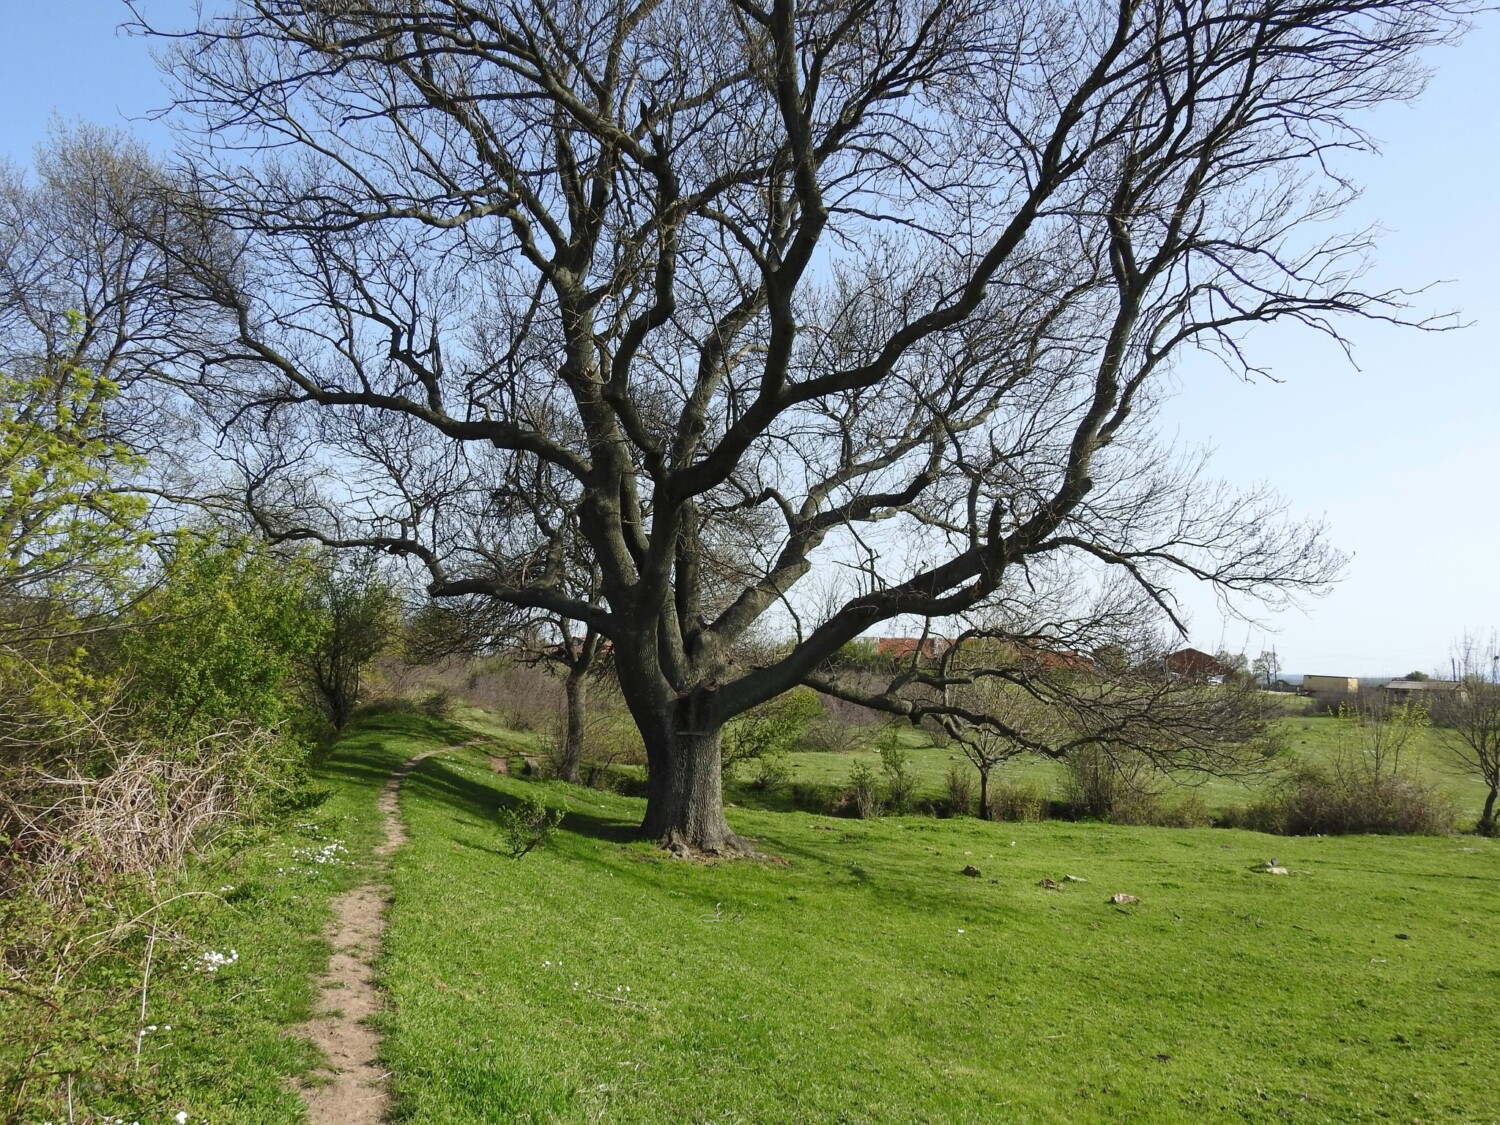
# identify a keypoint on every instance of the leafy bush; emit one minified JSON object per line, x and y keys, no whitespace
{"x":770,"y":730}
{"x":1366,"y":787}
{"x":1013,"y":800}
{"x":436,"y":704}
{"x":1120,"y":786}
{"x":958,"y":791}
{"x":1189,"y":812}
{"x":863,"y":796}
{"x":220,"y":638}
{"x":895,"y":763}
{"x":773,"y":771}
{"x":1331,"y":801}
{"x":355,"y":615}
{"x":529,"y":825}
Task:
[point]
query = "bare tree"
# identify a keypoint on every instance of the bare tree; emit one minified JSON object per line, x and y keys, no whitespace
{"x":1267,"y":667}
{"x":885,"y":286}
{"x":985,"y":744}
{"x":1468,"y":719}
{"x":84,"y":283}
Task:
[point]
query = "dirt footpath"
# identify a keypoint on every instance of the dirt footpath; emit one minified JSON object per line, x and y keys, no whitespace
{"x":354,"y":1091}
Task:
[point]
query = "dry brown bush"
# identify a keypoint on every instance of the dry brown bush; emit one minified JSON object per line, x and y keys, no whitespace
{"x":113,"y":808}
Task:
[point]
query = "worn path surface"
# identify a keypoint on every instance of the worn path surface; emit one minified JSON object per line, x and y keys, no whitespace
{"x":354,"y":1091}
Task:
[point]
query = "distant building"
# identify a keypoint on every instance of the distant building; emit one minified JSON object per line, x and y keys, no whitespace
{"x":903,"y":648}
{"x":1330,"y":690}
{"x":1190,"y":664}
{"x":1417,"y":691}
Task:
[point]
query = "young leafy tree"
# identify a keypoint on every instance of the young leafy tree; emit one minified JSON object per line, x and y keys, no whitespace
{"x":69,"y":531}
{"x":355,"y":614}
{"x":70,"y":540}
{"x":220,"y":638}
{"x":1267,"y":667}
{"x":887,"y":285}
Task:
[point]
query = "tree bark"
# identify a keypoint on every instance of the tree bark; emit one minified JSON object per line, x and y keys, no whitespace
{"x":1486,"y":826}
{"x":984,"y":794}
{"x":575,"y":690}
{"x":684,"y":792}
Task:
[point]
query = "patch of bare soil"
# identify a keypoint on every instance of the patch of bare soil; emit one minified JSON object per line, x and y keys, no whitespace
{"x":352,"y":1088}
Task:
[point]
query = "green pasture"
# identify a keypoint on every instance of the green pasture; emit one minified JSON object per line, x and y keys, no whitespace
{"x":856,"y":975}
{"x":859,"y":976}
{"x":1316,"y":738}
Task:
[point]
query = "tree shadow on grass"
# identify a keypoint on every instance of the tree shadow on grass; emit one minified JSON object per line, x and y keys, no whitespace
{"x":437,"y":780}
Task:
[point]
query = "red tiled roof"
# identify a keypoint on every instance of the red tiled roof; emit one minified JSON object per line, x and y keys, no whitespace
{"x":1191,"y":662}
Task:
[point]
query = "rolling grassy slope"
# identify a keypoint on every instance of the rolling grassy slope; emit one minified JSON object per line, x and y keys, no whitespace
{"x":864,"y":979}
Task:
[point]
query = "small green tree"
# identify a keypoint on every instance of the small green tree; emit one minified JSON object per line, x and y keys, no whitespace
{"x":69,"y":533}
{"x":355,"y":614}
{"x":70,"y":540}
{"x":1267,"y":667}
{"x":771,"y":729}
{"x":895,"y":763}
{"x":221,"y":637}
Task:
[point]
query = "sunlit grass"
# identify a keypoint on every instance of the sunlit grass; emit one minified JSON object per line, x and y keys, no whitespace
{"x":1311,"y":738}
{"x":864,"y":979}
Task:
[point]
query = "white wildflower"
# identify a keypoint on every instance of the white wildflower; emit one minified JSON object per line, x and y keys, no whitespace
{"x":212,"y":961}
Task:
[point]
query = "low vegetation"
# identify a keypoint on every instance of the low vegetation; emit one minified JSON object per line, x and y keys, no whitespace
{"x":175,"y":994}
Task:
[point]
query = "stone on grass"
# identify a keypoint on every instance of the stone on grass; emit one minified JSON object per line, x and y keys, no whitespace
{"x":971,"y":871}
{"x":1123,"y":899}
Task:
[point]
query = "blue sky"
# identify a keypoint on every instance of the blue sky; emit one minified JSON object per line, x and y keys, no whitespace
{"x":1399,"y":455}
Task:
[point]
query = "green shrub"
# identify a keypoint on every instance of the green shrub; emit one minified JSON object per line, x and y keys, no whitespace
{"x":1120,"y":786}
{"x":436,"y":705}
{"x":773,"y":771}
{"x":529,"y":825}
{"x":220,"y":638}
{"x":958,"y":791}
{"x":1331,"y":801}
{"x":1232,"y":816}
{"x":1013,"y":800}
{"x":773,"y":728}
{"x":863,"y":797}
{"x":1190,"y":811}
{"x":1365,"y":787}
{"x":895,"y":763}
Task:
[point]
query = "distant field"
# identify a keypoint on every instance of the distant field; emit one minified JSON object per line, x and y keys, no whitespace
{"x":862,"y":978}
{"x":1314,"y":738}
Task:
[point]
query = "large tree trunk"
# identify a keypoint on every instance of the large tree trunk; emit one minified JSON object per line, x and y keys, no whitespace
{"x":1486,"y":824}
{"x":984,"y":794}
{"x":575,"y":690}
{"x":684,"y":792}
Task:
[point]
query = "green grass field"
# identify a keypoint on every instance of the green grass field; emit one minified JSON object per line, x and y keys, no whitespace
{"x":864,"y":979}
{"x":857,"y":977}
{"x":1313,"y":738}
